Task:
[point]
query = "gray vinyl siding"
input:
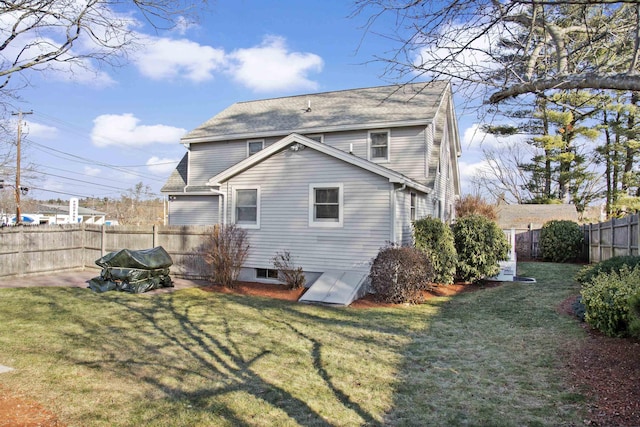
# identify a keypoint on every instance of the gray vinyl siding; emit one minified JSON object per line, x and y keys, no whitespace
{"x":193,"y":210}
{"x":284,"y":182}
{"x":209,"y":159}
{"x":407,"y":148}
{"x":403,"y":218}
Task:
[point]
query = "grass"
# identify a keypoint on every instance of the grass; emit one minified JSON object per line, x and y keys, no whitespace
{"x":195,"y":358}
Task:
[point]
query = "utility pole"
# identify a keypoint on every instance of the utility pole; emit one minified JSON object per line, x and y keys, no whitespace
{"x":18,"y":189}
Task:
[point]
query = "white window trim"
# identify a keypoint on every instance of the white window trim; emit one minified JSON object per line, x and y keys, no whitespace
{"x":233,"y":210}
{"x":254,"y":140}
{"x":325,"y":224}
{"x":379,"y":159}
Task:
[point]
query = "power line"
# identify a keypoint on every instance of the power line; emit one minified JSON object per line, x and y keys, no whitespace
{"x":62,"y":192}
{"x":95,"y":163}
{"x":84,"y":182}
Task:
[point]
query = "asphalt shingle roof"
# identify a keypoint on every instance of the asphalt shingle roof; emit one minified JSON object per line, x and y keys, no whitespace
{"x":178,"y":178}
{"x":322,"y":112}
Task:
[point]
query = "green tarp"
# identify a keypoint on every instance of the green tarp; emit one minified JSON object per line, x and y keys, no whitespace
{"x":133,"y":271}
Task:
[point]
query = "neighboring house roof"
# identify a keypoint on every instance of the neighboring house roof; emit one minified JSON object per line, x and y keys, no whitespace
{"x":521,"y":216}
{"x":45,"y":209}
{"x":293,"y":139}
{"x":367,"y":108}
{"x":178,"y":178}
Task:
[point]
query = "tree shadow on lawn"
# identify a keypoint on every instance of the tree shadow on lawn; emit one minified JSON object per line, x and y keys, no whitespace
{"x":182,"y":347}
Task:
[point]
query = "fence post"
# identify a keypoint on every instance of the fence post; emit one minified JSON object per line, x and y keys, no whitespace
{"x":103,"y":240}
{"x":154,"y":240}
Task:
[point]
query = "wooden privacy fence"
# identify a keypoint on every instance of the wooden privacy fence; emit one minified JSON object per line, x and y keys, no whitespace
{"x":616,"y":237}
{"x":52,"y":248}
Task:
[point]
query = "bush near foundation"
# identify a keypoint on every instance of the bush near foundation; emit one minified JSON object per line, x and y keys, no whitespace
{"x":480,"y":244}
{"x":608,"y":298}
{"x":400,"y":274}
{"x":561,"y":241}
{"x":225,"y":250}
{"x":434,"y":237}
{"x":288,"y":272}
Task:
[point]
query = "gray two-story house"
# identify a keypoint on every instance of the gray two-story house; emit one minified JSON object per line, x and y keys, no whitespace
{"x":329,"y":177}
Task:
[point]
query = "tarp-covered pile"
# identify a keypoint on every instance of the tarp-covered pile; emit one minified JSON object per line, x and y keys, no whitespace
{"x":133,"y":271}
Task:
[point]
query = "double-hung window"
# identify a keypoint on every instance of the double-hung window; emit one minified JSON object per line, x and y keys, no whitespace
{"x":379,"y":145}
{"x":254,"y":146}
{"x":247,"y":207}
{"x":326,"y":205}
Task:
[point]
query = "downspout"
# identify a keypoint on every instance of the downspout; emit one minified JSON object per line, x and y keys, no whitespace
{"x":224,"y":204}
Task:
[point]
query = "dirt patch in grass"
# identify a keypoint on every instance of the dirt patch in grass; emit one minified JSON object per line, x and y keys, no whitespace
{"x":15,"y":412}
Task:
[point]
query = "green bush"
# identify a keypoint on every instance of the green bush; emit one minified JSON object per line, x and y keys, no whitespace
{"x":400,"y":274}
{"x":480,"y":244}
{"x":434,"y":237}
{"x":607,"y":300}
{"x":561,"y":241}
{"x":634,"y":313}
{"x":586,"y":274}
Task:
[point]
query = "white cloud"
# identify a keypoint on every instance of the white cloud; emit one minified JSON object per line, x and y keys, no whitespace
{"x":103,"y":29}
{"x":270,"y":66}
{"x":182,"y":25}
{"x":126,"y":130}
{"x":88,"y":170}
{"x":474,"y":137}
{"x":40,"y":131}
{"x":162,"y":166}
{"x":164,"y":58}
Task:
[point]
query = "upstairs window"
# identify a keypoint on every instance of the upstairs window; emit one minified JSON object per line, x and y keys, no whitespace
{"x":379,"y":146}
{"x":325,"y":205}
{"x":254,"y":146}
{"x":247,"y":207}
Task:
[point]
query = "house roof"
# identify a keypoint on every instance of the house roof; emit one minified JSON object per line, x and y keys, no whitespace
{"x":46,"y":209}
{"x":367,"y":108}
{"x":178,"y":178}
{"x":521,"y":216}
{"x":292,"y":139}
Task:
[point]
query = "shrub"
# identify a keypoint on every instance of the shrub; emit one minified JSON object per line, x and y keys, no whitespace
{"x":434,"y":237}
{"x":400,"y":274}
{"x":586,"y":274}
{"x":475,"y":205}
{"x":607,"y":300}
{"x":226,"y":250}
{"x":287,"y":270}
{"x":634,"y":312}
{"x":480,"y":244}
{"x":561,"y":241}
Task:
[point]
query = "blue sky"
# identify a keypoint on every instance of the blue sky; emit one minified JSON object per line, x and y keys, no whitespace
{"x":98,"y":132}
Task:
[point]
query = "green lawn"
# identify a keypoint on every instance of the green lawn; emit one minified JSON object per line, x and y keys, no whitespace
{"x":193,"y":358}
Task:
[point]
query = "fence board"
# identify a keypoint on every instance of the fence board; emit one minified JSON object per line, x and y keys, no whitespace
{"x":616,"y":237}
{"x":52,"y":248}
